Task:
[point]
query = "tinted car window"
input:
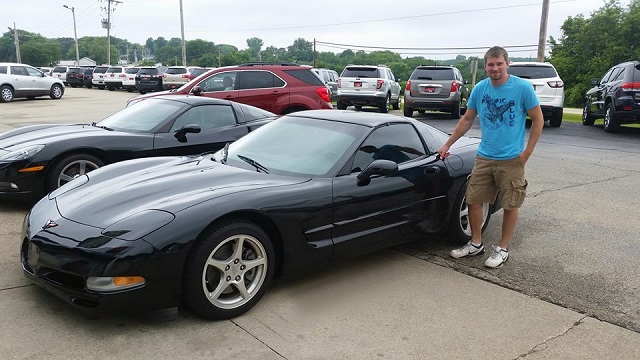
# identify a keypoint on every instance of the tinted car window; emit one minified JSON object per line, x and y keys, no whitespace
{"x":3,"y":69}
{"x":59,"y":69}
{"x":636,"y":73}
{"x":100,"y":70}
{"x":361,"y":72}
{"x":148,"y":71}
{"x":197,"y":72}
{"x":398,"y":143}
{"x":532,"y":72}
{"x":258,"y":80}
{"x":305,"y":76}
{"x":176,"y":71}
{"x":74,"y":71}
{"x":148,"y":114}
{"x":114,"y":70}
{"x":253,"y":113}
{"x":207,"y":117}
{"x":132,"y":71}
{"x":433,"y":74}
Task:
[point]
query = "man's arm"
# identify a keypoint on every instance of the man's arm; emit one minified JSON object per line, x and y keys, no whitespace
{"x":537,"y":123}
{"x":463,"y":126}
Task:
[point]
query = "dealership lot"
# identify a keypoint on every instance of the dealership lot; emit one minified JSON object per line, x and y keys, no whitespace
{"x":576,"y":246}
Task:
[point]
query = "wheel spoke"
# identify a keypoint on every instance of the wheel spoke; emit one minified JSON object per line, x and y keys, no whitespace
{"x":220,"y":288}
{"x":250,"y":264}
{"x":242,"y":289}
{"x":65,"y":178}
{"x":218,"y":264}
{"x":239,"y":244}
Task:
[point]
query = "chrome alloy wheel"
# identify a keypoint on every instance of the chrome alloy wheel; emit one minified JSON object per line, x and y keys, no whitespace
{"x":463,"y":217}
{"x":74,"y":169}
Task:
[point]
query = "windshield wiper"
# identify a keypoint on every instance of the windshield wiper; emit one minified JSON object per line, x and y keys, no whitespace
{"x":225,"y":153}
{"x":253,"y":163}
{"x":94,"y":124}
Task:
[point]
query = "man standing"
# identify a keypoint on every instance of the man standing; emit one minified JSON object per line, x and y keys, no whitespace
{"x":502,"y":103}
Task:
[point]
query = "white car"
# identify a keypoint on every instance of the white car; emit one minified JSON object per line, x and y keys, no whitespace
{"x":60,"y":72}
{"x":20,"y":80}
{"x":98,"y":76}
{"x":548,"y":85}
{"x":174,"y":77}
{"x":129,"y":81}
{"x":113,"y":77}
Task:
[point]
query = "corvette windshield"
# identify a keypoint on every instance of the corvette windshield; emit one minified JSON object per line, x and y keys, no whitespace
{"x":143,"y":116}
{"x":295,"y":145}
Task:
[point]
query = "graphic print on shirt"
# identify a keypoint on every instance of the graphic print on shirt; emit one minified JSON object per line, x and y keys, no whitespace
{"x":496,"y":109}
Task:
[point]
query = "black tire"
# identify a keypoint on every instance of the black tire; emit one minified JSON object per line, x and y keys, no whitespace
{"x":70,"y":167}
{"x":110,"y":88}
{"x":556,"y":118}
{"x":129,"y":90}
{"x":422,"y":111}
{"x":100,"y":87}
{"x":74,"y":86}
{"x":587,"y":118}
{"x":144,"y":92}
{"x":611,"y":123}
{"x":358,"y":107}
{"x":455,"y":111}
{"x":408,"y":111}
{"x":459,"y":226}
{"x":341,"y":105}
{"x":56,"y":92}
{"x":215,"y":273}
{"x":396,"y":105}
{"x":6,"y":93}
{"x":384,"y":108}
{"x":89,"y":86}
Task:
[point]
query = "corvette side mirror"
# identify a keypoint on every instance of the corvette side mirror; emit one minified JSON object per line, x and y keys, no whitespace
{"x":377,"y":168}
{"x":181,"y":134}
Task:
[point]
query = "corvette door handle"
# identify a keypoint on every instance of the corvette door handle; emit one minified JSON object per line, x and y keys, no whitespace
{"x":432,"y":170}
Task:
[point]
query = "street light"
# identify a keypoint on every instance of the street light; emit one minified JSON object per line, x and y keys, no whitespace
{"x":75,"y":34}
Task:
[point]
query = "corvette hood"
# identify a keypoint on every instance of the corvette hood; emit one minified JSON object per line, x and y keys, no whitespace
{"x":43,"y":134}
{"x":171,"y":184}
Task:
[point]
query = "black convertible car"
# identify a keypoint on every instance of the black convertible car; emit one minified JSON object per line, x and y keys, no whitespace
{"x":212,"y":231}
{"x":37,"y":159}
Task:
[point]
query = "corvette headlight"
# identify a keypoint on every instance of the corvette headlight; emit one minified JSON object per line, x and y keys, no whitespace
{"x":23,"y":153}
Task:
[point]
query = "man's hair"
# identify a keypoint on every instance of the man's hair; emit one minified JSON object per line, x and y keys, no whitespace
{"x":496,"y":52}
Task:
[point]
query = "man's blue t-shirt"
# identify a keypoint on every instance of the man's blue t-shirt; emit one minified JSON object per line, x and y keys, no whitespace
{"x":502,"y":112}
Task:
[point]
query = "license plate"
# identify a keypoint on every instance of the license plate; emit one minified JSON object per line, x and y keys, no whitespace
{"x":430,"y":90}
{"x":32,"y":255}
{"x":357,"y":84}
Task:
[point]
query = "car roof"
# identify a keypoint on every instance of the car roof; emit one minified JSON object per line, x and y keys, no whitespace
{"x":531,"y":63}
{"x":352,"y":117}
{"x":193,"y":99}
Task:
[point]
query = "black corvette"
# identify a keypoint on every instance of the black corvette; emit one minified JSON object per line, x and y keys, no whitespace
{"x":37,"y":159}
{"x":213,"y":231}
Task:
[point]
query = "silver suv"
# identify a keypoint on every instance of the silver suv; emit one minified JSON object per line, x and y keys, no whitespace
{"x":432,"y":87}
{"x":371,"y":85}
{"x":547,"y":84}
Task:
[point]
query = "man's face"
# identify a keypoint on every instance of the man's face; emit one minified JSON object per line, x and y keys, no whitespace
{"x":496,"y":68}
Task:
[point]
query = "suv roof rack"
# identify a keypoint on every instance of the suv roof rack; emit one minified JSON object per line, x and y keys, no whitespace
{"x":269,"y":63}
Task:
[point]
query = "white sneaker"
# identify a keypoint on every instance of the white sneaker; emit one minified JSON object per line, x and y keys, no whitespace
{"x":499,"y":257}
{"x":468,"y":250}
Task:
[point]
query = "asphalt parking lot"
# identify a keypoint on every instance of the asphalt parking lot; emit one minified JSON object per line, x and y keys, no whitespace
{"x":571,"y":289}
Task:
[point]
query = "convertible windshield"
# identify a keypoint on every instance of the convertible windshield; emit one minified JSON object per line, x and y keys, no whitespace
{"x":142,"y":116}
{"x":297,"y":146}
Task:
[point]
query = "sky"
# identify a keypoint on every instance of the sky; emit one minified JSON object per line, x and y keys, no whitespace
{"x":440,"y":29}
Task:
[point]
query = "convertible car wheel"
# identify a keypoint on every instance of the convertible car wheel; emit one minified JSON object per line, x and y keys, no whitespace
{"x":460,"y":228}
{"x":228,"y":270}
{"x":70,"y":168}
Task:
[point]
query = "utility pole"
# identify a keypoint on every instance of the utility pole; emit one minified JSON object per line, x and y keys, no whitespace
{"x":184,"y":49}
{"x":17,"y":42}
{"x":75,"y":33}
{"x":542,"y":40}
{"x":107,"y":24}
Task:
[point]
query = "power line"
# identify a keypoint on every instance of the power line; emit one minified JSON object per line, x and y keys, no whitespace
{"x":420,"y":48}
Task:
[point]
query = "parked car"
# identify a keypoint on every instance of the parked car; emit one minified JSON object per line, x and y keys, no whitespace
{"x":548,"y":85}
{"x":275,"y":87}
{"x":87,"y":77}
{"x":129,"y":81}
{"x":99,"y":76}
{"x":75,"y":76}
{"x":615,"y":97}
{"x":20,"y":80}
{"x":439,"y":88}
{"x":60,"y":72}
{"x":213,"y":231}
{"x":149,"y":79}
{"x":174,"y":77}
{"x":40,"y":158}
{"x":330,"y":77}
{"x":46,"y":70}
{"x":368,"y":85}
{"x":113,"y":77}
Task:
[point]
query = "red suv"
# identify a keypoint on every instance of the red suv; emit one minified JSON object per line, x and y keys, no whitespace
{"x":281,"y":88}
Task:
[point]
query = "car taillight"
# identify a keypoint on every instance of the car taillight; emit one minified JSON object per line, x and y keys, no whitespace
{"x":455,"y":86}
{"x":324,"y":93}
{"x":339,"y":83}
{"x":408,"y":86}
{"x":164,"y":76}
{"x":185,"y":76}
{"x":555,"y":84}
{"x":631,"y":86}
{"x":122,"y":75}
{"x":380,"y":83}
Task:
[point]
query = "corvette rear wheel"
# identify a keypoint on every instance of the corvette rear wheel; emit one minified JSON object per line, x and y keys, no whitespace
{"x":460,"y":227}
{"x":228,"y":270}
{"x":71,"y":167}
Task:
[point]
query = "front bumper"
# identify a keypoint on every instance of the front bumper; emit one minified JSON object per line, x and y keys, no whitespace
{"x":20,"y":186}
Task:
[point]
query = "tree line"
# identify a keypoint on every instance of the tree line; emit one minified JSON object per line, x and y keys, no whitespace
{"x":587,"y":48}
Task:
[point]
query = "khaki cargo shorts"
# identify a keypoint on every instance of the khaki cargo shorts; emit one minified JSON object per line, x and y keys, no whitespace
{"x":502,"y":178}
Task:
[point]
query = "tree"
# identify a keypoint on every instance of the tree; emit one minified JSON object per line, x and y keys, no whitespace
{"x":301,"y":50}
{"x":255,"y":45}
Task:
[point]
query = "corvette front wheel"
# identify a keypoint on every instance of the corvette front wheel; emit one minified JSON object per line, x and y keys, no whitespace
{"x":228,"y":270}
